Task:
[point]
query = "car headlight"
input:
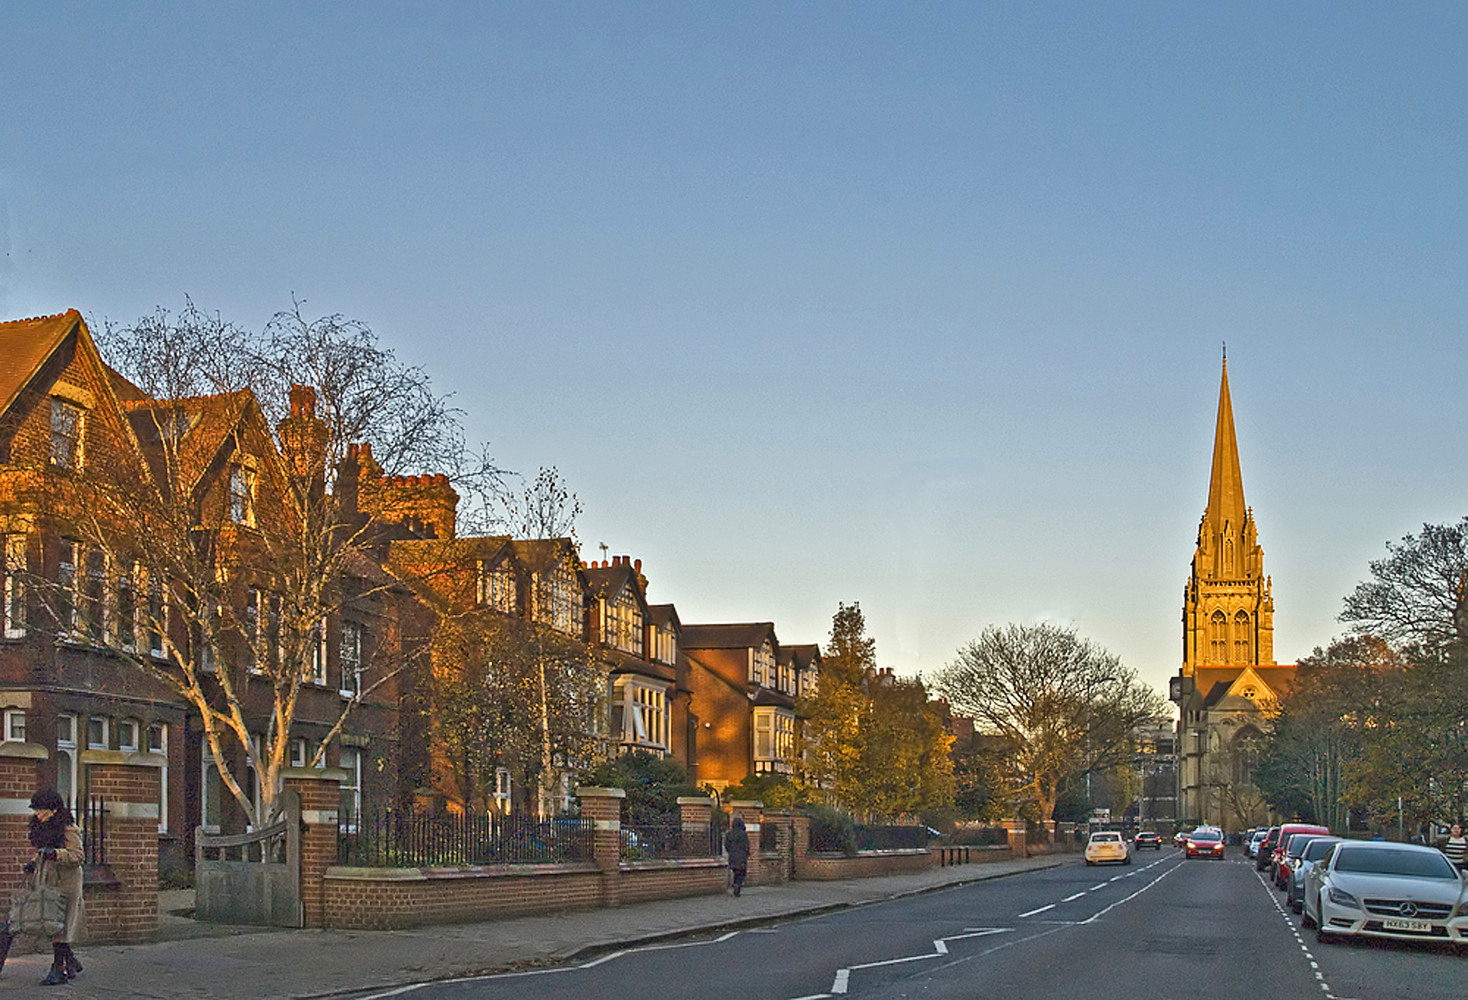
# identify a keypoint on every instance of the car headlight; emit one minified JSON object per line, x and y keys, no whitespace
{"x":1462,"y":909}
{"x":1341,"y":897}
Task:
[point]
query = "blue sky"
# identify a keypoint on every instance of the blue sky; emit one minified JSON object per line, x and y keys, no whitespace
{"x":918,"y":305}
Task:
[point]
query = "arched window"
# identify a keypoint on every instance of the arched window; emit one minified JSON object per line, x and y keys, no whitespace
{"x":1243,"y":638}
{"x":1218,"y":637}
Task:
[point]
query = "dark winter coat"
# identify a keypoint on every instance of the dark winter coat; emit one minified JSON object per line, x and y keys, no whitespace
{"x":736,"y":845}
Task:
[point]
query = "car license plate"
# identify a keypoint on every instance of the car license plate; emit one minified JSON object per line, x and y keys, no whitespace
{"x":1400,"y":924}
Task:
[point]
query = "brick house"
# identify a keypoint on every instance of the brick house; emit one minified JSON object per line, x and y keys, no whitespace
{"x":742,"y":690}
{"x":82,"y":618}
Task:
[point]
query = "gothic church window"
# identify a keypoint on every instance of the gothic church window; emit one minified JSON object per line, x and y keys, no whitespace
{"x":1243,"y":640}
{"x":1218,"y":638}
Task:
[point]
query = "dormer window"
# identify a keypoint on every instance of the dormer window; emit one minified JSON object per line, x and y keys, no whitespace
{"x":622,"y":624}
{"x":242,"y":495}
{"x":558,"y":596}
{"x":497,"y":587}
{"x":66,"y":434}
{"x":762,"y":667}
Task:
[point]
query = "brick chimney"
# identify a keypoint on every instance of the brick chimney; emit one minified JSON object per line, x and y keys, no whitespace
{"x":303,"y":439}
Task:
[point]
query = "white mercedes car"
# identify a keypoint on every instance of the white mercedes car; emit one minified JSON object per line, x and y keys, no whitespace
{"x":1402,"y":891}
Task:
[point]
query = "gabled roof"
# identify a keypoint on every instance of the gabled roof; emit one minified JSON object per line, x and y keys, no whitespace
{"x":204,"y":425}
{"x":609,"y":581}
{"x":1214,"y":683}
{"x":745,"y":635}
{"x":537,"y":554}
{"x":26,"y":345}
{"x":664,"y":616}
{"x":802,"y":655}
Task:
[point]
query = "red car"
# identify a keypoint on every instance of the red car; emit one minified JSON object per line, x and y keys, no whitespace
{"x":1204,"y":842}
{"x":1276,"y":857}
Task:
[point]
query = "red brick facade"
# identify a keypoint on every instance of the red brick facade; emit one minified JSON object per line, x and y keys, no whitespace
{"x":127,"y":910}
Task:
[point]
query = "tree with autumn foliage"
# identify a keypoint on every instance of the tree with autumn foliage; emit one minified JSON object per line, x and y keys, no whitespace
{"x":871,"y":741}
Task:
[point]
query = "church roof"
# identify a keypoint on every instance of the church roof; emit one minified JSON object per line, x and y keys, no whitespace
{"x":1213,"y":683}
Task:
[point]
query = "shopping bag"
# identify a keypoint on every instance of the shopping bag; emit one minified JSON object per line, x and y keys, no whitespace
{"x":37,"y":908}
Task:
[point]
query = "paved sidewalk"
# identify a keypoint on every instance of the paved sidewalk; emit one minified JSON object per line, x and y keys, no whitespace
{"x":234,"y":963}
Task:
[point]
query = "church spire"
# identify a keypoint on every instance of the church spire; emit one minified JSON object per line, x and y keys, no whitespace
{"x":1226,"y":486}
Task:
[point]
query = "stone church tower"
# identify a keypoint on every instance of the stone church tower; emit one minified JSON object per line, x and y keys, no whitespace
{"x":1228,"y":612}
{"x":1228,"y":677}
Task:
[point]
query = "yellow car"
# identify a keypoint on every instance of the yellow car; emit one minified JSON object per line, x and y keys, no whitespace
{"x":1107,"y":845}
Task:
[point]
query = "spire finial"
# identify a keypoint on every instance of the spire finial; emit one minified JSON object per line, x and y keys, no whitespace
{"x":1225,"y":353}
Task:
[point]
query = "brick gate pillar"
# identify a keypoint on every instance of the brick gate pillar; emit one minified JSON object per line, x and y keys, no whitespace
{"x":603,"y":807}
{"x":18,"y":765}
{"x":1015,"y":829}
{"x":697,"y":816}
{"x":320,"y":795}
{"x":799,"y":843}
{"x":128,"y":785}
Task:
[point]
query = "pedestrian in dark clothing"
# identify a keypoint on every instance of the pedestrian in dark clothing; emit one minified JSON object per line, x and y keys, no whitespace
{"x":736,"y":846}
{"x":58,"y":845}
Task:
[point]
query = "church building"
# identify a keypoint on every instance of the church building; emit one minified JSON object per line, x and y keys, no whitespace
{"x":1228,"y":680}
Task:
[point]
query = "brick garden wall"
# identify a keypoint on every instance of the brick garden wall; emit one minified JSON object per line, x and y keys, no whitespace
{"x":393,"y":898}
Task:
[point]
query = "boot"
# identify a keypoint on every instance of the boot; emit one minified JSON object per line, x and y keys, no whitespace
{"x":70,"y":962}
{"x":6,"y":936}
{"x":57,"y":975}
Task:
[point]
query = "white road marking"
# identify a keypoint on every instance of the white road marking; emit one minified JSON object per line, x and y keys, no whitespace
{"x":412,"y":987}
{"x":1095,"y":887}
{"x":1073,"y":896}
{"x":842,"y":982}
{"x":1042,"y":909}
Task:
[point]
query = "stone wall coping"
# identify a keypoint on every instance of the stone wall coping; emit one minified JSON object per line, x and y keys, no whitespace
{"x":900,"y":852}
{"x":24,"y":751}
{"x":592,"y":792}
{"x":670,"y":864}
{"x":130,"y":758}
{"x":747,"y":804}
{"x":336,"y":774}
{"x":349,"y":873}
{"x":695,"y":800}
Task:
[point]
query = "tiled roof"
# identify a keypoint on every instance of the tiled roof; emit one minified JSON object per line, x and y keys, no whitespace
{"x":664,"y":616}
{"x":25,"y":344}
{"x":745,"y":635}
{"x":606,"y":581}
{"x":209,"y":422}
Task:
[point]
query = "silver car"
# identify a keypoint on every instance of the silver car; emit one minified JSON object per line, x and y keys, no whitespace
{"x":1315,"y":849}
{"x":1402,"y":891}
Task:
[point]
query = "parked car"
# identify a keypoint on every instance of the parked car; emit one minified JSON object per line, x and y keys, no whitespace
{"x":1276,"y":858}
{"x":1291,"y":859}
{"x":1180,"y":838}
{"x":1251,"y":846}
{"x":1146,"y":839}
{"x":1409,"y":892}
{"x":1204,"y":842}
{"x":1315,"y":849}
{"x":1107,"y":845}
{"x":1261,"y":853}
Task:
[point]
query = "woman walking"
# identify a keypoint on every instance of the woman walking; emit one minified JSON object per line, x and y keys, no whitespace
{"x":736,"y":845}
{"x":58,"y":846}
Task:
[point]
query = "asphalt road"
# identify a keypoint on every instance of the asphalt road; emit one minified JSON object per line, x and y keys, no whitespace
{"x":1160,"y":929}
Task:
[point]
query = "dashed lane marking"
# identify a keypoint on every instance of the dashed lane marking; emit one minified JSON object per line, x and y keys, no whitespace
{"x":1031,"y":913}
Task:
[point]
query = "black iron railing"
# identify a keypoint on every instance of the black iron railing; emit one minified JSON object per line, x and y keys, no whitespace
{"x":391,"y":838}
{"x":663,"y":836}
{"x":94,"y":832}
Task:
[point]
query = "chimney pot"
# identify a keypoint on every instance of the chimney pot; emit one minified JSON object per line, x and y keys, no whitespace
{"x":637,"y":565}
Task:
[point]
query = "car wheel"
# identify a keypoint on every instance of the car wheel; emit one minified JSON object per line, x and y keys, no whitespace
{"x":1089,"y":863}
{"x":1297,"y":906}
{"x":1306,"y":921}
{"x":1322,"y":936}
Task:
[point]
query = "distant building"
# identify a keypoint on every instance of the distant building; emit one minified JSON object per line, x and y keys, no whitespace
{"x":1228,"y":676}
